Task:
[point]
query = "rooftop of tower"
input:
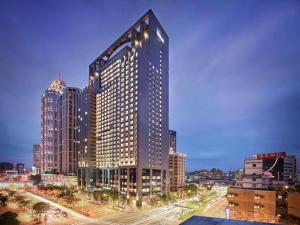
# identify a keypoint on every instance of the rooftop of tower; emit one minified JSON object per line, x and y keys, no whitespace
{"x":128,"y":37}
{"x":57,"y":85}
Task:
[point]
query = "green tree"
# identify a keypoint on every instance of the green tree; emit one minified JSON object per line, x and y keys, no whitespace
{"x":113,"y":196}
{"x":122,"y":199}
{"x":70,"y":200}
{"x":23,"y":204}
{"x":174,"y":197}
{"x":36,"y":179}
{"x":191,"y":189}
{"x":21,"y":201}
{"x":18,"y":198}
{"x":11,"y":194}
{"x":154,"y":199}
{"x":164,"y":198}
{"x":96,"y":195}
{"x":40,"y":208}
{"x":9,"y":218}
{"x":65,"y":193}
{"x":3,"y":199}
{"x":104,"y":195}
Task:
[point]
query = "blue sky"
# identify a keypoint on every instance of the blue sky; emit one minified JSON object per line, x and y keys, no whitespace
{"x":234,"y":70}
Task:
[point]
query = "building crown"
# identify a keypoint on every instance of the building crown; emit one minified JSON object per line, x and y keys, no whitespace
{"x":57,"y":85}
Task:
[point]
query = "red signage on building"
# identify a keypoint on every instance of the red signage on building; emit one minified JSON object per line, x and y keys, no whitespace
{"x":271,"y":155}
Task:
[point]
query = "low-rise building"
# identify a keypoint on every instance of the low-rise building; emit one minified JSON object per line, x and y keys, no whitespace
{"x":294,"y":204}
{"x":252,"y":205}
{"x":11,"y":173}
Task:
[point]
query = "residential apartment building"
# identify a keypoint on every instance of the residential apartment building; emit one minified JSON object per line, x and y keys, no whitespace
{"x":252,"y":205}
{"x":49,"y":132}
{"x":131,"y":82}
{"x":177,"y":165}
{"x":67,"y":126}
{"x":254,"y":176}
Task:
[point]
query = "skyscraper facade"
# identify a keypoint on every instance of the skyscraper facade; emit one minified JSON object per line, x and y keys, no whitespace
{"x":67,"y":125}
{"x":49,"y":133}
{"x":87,"y":137}
{"x":131,"y":81}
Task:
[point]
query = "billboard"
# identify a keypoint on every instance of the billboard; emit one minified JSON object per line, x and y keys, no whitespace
{"x":271,"y":155}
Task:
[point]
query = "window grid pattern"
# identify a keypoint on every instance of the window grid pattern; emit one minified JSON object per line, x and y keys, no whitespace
{"x":116,"y":120}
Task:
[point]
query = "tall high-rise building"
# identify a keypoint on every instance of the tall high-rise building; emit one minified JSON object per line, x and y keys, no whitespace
{"x":172,"y":141}
{"x":87,"y":137}
{"x":36,"y":156}
{"x":67,"y":125}
{"x":131,"y":79}
{"x":49,"y":130}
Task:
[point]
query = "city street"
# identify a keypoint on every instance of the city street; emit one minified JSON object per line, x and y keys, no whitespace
{"x":164,"y":215}
{"x":215,"y":209}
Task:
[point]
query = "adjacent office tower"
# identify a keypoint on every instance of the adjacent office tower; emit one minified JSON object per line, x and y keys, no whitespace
{"x":87,"y":137}
{"x":67,"y":125}
{"x":131,"y":79}
{"x":172,"y":141}
{"x":49,"y":133}
{"x":36,"y":157}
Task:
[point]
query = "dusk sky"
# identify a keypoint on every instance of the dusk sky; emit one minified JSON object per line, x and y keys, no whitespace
{"x":234,"y":70}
